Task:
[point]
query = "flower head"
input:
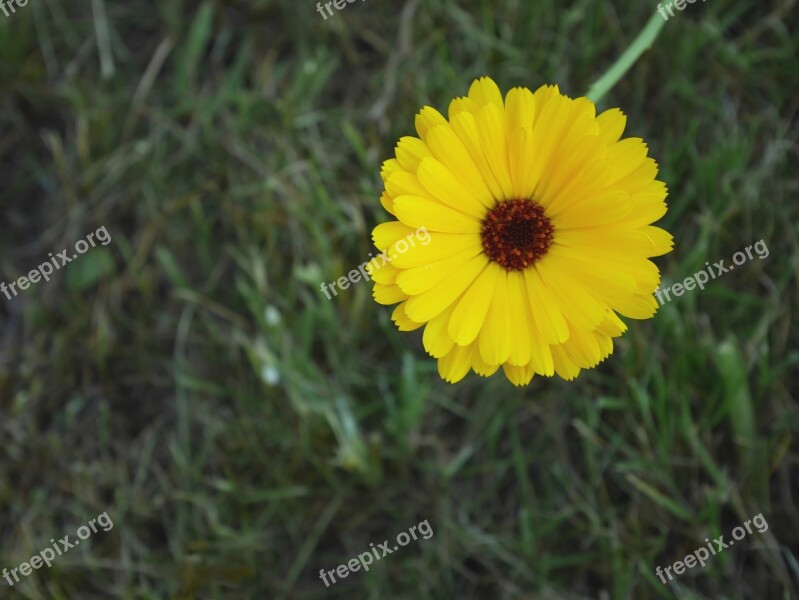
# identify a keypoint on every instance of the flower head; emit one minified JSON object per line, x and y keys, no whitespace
{"x":539,"y":218}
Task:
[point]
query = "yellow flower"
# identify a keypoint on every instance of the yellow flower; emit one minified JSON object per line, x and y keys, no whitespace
{"x":539,"y":219}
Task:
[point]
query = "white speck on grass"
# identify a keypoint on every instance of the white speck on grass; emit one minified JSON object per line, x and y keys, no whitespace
{"x":270,"y":375}
{"x":272,"y":315}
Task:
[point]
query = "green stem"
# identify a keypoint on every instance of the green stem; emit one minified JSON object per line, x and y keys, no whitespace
{"x":642,"y":43}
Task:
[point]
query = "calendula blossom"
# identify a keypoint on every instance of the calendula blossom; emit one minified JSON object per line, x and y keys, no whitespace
{"x":540,"y":218}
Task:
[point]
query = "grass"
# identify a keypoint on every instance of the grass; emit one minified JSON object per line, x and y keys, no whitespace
{"x":243,"y":432}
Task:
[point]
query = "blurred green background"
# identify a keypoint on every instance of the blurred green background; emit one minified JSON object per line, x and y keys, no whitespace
{"x":244,"y":432}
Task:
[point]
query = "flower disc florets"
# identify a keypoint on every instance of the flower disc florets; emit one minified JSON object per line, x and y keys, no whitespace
{"x":516,"y":234}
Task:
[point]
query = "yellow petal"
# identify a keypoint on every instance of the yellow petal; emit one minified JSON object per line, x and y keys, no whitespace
{"x":542,"y":96}
{"x":484,"y":91}
{"x":447,"y":147}
{"x":416,"y":280}
{"x":519,"y":108}
{"x":391,"y":166}
{"x":410,"y":151}
{"x":640,"y":177}
{"x":463,"y":104}
{"x":419,"y":239}
{"x":416,"y":211}
{"x":387,"y":202}
{"x":428,"y":304}
{"x":582,"y":348}
{"x":522,"y":158}
{"x":437,"y":246}
{"x":564,"y":366}
{"x":435,"y":339}
{"x":465,"y":127}
{"x":579,"y":307}
{"x":518,"y":310}
{"x":428,"y":118}
{"x":545,"y":310}
{"x":611,"y":125}
{"x":479,"y":366}
{"x":569,"y":161}
{"x":403,"y":183}
{"x":540,"y":353}
{"x":640,"y":306}
{"x":447,"y":189}
{"x":662,"y":241}
{"x":591,"y":212}
{"x":642,"y":271}
{"x":643,"y":242}
{"x":385,"y":234}
{"x":402,"y":321}
{"x":627,"y":155}
{"x":575,"y":143}
{"x":518,"y":376}
{"x":551,"y":125}
{"x":612,"y":326}
{"x":605,"y":345}
{"x":593,"y":179}
{"x":615,"y":287}
{"x":471,"y":309}
{"x":490,"y":122}
{"x":648,"y":205}
{"x":382,"y":273}
{"x":388,"y":294}
{"x":455,"y":365}
{"x":495,"y":336}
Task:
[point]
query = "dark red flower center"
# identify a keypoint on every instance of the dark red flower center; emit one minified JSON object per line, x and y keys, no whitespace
{"x":516,"y":233}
